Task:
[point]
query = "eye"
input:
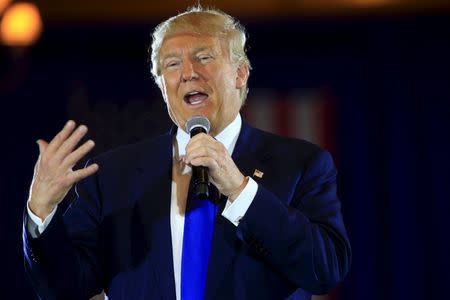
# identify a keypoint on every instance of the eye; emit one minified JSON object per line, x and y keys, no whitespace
{"x":204,"y":58}
{"x":172,"y":64}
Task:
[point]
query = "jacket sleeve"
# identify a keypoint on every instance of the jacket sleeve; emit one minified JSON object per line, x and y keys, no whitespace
{"x":64,"y":262}
{"x":304,"y":237}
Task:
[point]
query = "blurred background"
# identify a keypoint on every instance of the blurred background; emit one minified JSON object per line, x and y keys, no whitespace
{"x":369,"y":80}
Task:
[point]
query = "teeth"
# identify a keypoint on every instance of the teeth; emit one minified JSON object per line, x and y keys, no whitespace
{"x":195,"y":97}
{"x":196,"y":102}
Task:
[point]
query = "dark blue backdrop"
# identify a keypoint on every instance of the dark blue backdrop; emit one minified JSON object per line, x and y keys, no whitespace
{"x":390,"y":77}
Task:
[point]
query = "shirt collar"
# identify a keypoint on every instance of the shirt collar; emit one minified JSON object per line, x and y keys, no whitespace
{"x":227,"y":137}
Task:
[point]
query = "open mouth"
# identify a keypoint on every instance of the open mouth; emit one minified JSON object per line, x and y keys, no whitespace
{"x":195,"y":97}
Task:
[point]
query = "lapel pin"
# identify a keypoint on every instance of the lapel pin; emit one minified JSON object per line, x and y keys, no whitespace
{"x":258,"y":173}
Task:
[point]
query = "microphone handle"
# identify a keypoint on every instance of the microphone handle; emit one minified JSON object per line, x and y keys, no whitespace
{"x":201,"y":182}
{"x":200,"y":173}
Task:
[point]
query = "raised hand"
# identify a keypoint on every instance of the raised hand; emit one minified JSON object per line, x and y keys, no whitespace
{"x":53,"y":174}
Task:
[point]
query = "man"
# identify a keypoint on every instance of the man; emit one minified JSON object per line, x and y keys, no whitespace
{"x":277,"y":229}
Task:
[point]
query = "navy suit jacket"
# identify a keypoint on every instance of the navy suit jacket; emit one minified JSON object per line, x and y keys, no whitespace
{"x":116,"y":235}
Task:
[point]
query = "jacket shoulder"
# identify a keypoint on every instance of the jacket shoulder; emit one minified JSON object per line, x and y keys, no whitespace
{"x":131,"y":154}
{"x":289,"y":146}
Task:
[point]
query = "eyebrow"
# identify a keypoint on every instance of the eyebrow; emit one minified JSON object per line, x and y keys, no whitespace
{"x":200,"y":49}
{"x":194,"y":51}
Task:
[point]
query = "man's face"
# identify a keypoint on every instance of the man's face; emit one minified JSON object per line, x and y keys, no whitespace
{"x":198,"y":78}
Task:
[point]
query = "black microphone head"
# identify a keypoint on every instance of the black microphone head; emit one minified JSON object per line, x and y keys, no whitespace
{"x":198,"y":122}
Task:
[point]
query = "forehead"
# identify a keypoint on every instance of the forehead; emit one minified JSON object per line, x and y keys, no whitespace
{"x":189,"y":42}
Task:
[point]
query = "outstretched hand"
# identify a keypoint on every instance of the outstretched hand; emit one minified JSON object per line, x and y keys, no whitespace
{"x":53,"y":174}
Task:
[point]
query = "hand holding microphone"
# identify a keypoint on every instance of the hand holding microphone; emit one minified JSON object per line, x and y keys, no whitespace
{"x":214,"y":161}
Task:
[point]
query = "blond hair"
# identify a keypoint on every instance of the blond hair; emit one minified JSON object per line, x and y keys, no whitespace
{"x":206,"y":21}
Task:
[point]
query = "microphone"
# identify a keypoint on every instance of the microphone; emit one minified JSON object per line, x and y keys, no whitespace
{"x":196,"y":125}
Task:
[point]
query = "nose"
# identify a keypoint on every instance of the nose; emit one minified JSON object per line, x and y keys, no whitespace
{"x":188,"y":72}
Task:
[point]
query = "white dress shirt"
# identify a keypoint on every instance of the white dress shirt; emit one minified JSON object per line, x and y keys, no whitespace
{"x":233,"y":211}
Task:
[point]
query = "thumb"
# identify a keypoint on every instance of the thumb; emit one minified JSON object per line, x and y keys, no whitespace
{"x":42,"y":145}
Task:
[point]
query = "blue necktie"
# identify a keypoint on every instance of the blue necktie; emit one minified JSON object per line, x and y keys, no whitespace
{"x":197,"y":237}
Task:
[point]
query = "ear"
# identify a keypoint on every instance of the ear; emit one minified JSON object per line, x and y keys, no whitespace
{"x":242,"y":74}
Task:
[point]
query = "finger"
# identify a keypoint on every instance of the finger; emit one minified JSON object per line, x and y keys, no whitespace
{"x":76,"y":155}
{"x":204,"y":161}
{"x":57,"y":141}
{"x":200,"y":139}
{"x":200,"y":151}
{"x":206,"y":142}
{"x":214,"y":148}
{"x":80,"y":174}
{"x":71,"y":142}
{"x":42,"y":145}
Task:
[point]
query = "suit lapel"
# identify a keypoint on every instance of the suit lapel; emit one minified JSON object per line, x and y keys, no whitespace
{"x":225,"y":242}
{"x":153,"y":185}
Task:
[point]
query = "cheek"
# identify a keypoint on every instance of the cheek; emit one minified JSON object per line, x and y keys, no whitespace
{"x":228,"y":87}
{"x":169,"y":90}
{"x":170,"y":82}
{"x":224,"y":82}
